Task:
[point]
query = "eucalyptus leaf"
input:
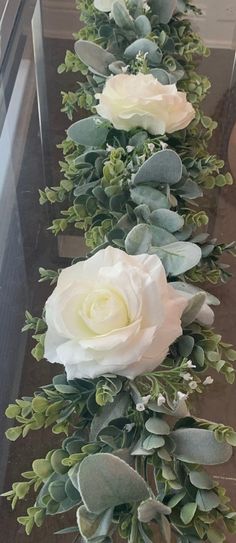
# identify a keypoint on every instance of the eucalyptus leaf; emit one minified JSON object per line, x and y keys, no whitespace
{"x":163,"y":167}
{"x":149,"y":509}
{"x":92,"y":525}
{"x":106,"y":481}
{"x":153,"y":442}
{"x":121,"y":16}
{"x":94,"y":56}
{"x":201,"y":479}
{"x":178,"y":257}
{"x":193,"y":308}
{"x":157,"y":426}
{"x":142,"y":26}
{"x":138,"y":240}
{"x":190,"y":190}
{"x":207,"y":500}
{"x":142,"y":45}
{"x":161,"y":75}
{"x":164,"y":218}
{"x":187,"y":512}
{"x":197,"y":446}
{"x":191,"y":289}
{"x":90,"y":132}
{"x":153,"y":198}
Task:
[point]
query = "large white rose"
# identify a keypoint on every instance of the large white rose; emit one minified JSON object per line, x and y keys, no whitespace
{"x":113,"y":313}
{"x":130,"y":101}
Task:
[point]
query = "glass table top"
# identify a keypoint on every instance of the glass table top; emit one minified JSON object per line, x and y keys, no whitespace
{"x":31,"y":126}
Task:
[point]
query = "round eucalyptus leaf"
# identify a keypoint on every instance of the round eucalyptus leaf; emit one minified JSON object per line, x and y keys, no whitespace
{"x":164,"y":167}
{"x":116,"y":67}
{"x":187,"y":512}
{"x":161,"y":75}
{"x":107,"y":481}
{"x":106,"y":414}
{"x":198,"y":446}
{"x":90,"y":132}
{"x":157,"y":426}
{"x":142,"y":45}
{"x":153,"y":198}
{"x":193,"y":308}
{"x":185,"y":345}
{"x":149,"y":509}
{"x":121,"y":16}
{"x":207,"y":500}
{"x":164,"y":218}
{"x":56,"y":461}
{"x":57,"y":491}
{"x":190,"y":190}
{"x":191,"y":289}
{"x":153,"y":442}
{"x":201,"y":479}
{"x":94,"y":56}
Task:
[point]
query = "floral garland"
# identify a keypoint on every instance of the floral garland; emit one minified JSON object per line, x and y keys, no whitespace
{"x":131,"y":329}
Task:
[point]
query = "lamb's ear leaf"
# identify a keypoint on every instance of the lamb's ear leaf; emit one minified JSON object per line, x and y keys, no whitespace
{"x":198,"y":446}
{"x":164,"y":167}
{"x":90,"y":132}
{"x":149,"y":509}
{"x":106,"y":481}
{"x":94,"y":56}
{"x":138,"y":240}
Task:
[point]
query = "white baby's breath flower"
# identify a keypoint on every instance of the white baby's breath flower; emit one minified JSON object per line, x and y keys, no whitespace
{"x":161,"y":400}
{"x":140,"y":407}
{"x":146,"y":7}
{"x":151,"y":147}
{"x":109,"y":147}
{"x":190,"y":364}
{"x":187,"y":376}
{"x":164,"y":145}
{"x":128,"y":427}
{"x":125,"y":69}
{"x":131,"y":101}
{"x":130,"y":148}
{"x":112,"y":313}
{"x":193,"y":385}
{"x":208,"y":381}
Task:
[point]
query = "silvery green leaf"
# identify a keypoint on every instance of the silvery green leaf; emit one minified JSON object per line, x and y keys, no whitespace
{"x":121,"y":16}
{"x":92,"y":525}
{"x":153,"y":198}
{"x":160,"y":236}
{"x":142,"y":26}
{"x":106,"y":481}
{"x":153,"y":442}
{"x":193,"y":308}
{"x":138,"y":139}
{"x":139,"y":450}
{"x":190,"y":190}
{"x":116,"y":67}
{"x":178,"y":257}
{"x":176,"y":499}
{"x":142,"y":45}
{"x":107,"y":413}
{"x":165,"y":529}
{"x":90,"y":132}
{"x":181,"y":6}
{"x":207,"y":500}
{"x":94,"y":56}
{"x":164,"y":9}
{"x":180,"y":410}
{"x":185,"y":345}
{"x":191,"y":289}
{"x":170,"y":220}
{"x":157,"y":426}
{"x":138,"y":240}
{"x":149,"y":509}
{"x":142,"y":213}
{"x":161,"y":75}
{"x":187,"y":512}
{"x":176,"y":76}
{"x":198,"y":446}
{"x":185,"y":233}
{"x":201,"y":479}
{"x":164,"y":167}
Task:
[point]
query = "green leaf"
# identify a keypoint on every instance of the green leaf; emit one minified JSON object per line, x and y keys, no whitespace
{"x":214,"y":536}
{"x":153,"y":198}
{"x":42,"y":468}
{"x":92,"y":525}
{"x":143,"y":45}
{"x":138,"y":240}
{"x":69,"y":530}
{"x":56,"y":461}
{"x":192,"y":289}
{"x":106,"y":414}
{"x":201,"y":479}
{"x":199,"y":446}
{"x":107,"y":481}
{"x":187,"y":512}
{"x":12,"y":411}
{"x":142,"y":26}
{"x":121,"y":16}
{"x":207,"y":500}
{"x":149,"y":509}
{"x":153,"y":442}
{"x":160,"y":236}
{"x":230,"y":437}
{"x":13,"y":433}
{"x":39,"y":404}
{"x":164,"y":9}
{"x":170,"y":220}
{"x":161,"y":75}
{"x":176,"y":499}
{"x":164,"y":167}
{"x":57,"y":491}
{"x":94,"y":56}
{"x":193,"y":308}
{"x":90,"y":132}
{"x":185,"y":345}
{"x":178,"y":257}
{"x":157,"y":426}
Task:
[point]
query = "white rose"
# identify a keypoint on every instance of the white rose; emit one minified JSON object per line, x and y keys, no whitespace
{"x":130,"y":101}
{"x":113,"y":313}
{"x":106,"y":5}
